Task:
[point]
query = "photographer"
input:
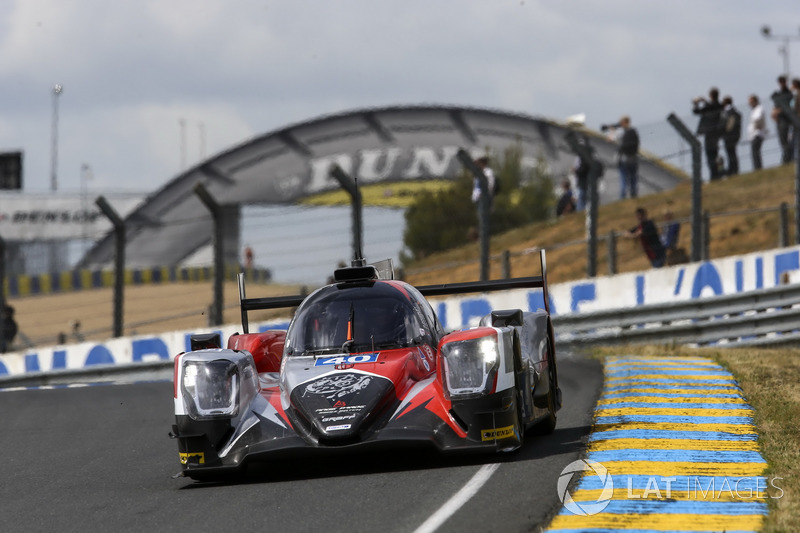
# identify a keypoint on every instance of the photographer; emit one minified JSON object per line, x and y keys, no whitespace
{"x":710,"y":112}
{"x":627,"y":155}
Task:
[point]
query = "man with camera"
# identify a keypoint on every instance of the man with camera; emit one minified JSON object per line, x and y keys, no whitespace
{"x":627,"y":156}
{"x":710,"y":112}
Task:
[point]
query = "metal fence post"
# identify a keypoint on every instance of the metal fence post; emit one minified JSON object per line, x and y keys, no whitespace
{"x":219,"y":268}
{"x":119,"y":260}
{"x":585,"y":152}
{"x":506,"y":264}
{"x":350,"y":185}
{"x":783,"y":229}
{"x":484,"y":205}
{"x":787,"y":110}
{"x":612,"y":253}
{"x":697,"y":182}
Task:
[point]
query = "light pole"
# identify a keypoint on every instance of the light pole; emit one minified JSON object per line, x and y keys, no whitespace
{"x":57,"y":90}
{"x":766,"y":31}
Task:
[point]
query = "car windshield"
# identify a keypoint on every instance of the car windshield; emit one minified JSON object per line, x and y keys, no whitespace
{"x":352,"y":319}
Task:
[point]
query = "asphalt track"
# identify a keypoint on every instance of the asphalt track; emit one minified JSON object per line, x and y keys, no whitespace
{"x":99,"y":458}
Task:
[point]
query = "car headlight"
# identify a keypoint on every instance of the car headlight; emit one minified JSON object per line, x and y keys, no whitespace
{"x":469,"y":365}
{"x":211,"y":389}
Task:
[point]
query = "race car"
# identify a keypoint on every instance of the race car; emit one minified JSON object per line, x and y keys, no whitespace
{"x":365,"y":363}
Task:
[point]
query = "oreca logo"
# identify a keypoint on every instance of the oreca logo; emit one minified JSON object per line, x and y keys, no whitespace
{"x":591,"y":507}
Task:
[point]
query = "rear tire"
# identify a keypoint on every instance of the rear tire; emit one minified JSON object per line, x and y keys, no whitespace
{"x":548,"y":425}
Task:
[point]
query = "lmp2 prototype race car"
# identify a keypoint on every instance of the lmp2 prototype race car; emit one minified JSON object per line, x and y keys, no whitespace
{"x":365,"y":363}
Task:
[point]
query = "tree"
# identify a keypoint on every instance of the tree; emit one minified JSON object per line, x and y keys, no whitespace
{"x":437,"y":221}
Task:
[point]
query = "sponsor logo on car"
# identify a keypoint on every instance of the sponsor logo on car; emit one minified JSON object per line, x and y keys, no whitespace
{"x":338,"y":418}
{"x":497,"y":433}
{"x":337,"y":386}
{"x":196,"y":458}
{"x":338,"y":428}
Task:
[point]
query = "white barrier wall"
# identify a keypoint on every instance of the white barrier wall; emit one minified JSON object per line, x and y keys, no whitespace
{"x":683,"y":282}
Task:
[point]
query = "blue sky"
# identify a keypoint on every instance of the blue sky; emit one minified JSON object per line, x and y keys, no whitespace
{"x":235,"y":69}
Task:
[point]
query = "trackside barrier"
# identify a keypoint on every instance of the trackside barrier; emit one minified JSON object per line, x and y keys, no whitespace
{"x":758,"y":318}
{"x":747,"y":299}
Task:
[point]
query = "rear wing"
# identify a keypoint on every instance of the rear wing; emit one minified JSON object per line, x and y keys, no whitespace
{"x":530,"y":282}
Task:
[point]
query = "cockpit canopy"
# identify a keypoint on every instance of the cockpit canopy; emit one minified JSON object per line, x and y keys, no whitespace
{"x":351,"y":319}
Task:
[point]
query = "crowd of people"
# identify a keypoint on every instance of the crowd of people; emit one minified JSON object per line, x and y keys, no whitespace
{"x":720,"y":124}
{"x":720,"y":120}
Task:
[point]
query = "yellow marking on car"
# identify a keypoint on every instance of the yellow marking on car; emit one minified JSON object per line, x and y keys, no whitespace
{"x":497,"y":433}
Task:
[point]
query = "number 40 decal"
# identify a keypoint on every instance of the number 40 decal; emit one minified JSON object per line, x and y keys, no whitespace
{"x":347,"y":360}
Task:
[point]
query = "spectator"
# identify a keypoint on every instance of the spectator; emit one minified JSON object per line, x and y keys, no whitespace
{"x":710,"y":112}
{"x":782,"y":121}
{"x":581,"y":169}
{"x":796,"y":134}
{"x":483,"y":163}
{"x":731,"y":133}
{"x":647,"y":232}
{"x":627,"y":158}
{"x":248,"y":257}
{"x":672,"y":230}
{"x":10,"y":327}
{"x":756,"y":130}
{"x":566,"y":202}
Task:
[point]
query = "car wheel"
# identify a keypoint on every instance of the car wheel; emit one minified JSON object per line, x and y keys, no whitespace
{"x":546,"y":426}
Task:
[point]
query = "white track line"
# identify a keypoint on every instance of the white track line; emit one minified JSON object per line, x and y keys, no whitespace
{"x":459,"y":499}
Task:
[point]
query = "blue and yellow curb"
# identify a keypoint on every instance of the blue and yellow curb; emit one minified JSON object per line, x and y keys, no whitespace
{"x":678,"y":452}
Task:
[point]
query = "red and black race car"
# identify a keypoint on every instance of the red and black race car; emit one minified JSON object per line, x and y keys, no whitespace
{"x":366,"y":363}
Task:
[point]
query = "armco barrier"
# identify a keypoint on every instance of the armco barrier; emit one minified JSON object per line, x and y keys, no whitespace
{"x":761,"y":317}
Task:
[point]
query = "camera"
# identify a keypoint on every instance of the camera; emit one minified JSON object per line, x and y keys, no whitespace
{"x":606,"y":127}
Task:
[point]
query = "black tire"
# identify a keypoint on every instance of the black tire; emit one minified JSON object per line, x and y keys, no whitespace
{"x":548,"y":425}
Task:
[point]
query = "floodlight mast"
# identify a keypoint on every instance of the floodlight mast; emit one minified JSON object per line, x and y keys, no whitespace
{"x":57,"y":90}
{"x":766,"y":31}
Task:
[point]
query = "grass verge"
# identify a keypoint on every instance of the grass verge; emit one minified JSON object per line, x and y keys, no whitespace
{"x":770,"y":380}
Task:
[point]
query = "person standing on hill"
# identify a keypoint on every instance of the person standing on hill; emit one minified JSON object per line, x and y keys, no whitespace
{"x":628,"y":158}
{"x":782,"y":120}
{"x":483,"y":164}
{"x":756,"y":130}
{"x":710,"y":112}
{"x":731,"y":133}
{"x":647,"y":232}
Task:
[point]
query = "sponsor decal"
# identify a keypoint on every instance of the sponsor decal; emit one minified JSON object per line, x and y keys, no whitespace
{"x":336,"y":386}
{"x":338,"y":418}
{"x":343,"y":360}
{"x":338,"y":428}
{"x":497,"y":433}
{"x":424,"y":359}
{"x":340,"y":409}
{"x":197,"y":458}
